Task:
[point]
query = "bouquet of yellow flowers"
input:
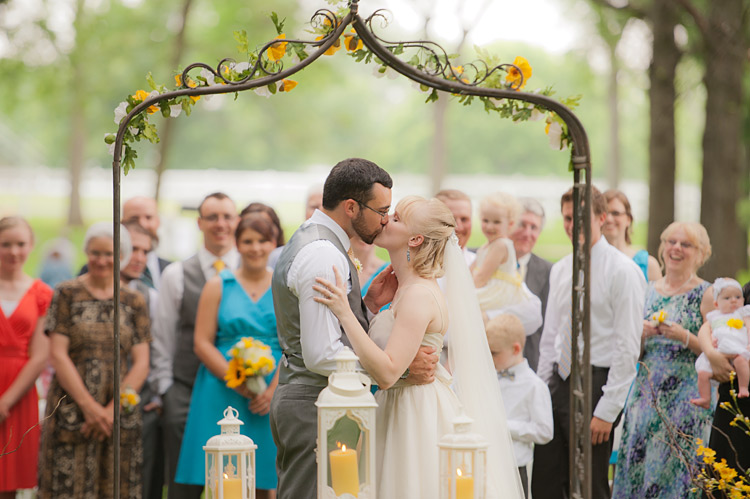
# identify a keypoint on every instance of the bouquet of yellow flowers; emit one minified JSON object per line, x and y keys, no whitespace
{"x":250,"y":361}
{"x":129,"y":400}
{"x":660,"y":317}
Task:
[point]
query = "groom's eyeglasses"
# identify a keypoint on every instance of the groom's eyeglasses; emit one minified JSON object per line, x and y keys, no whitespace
{"x":383,"y":214}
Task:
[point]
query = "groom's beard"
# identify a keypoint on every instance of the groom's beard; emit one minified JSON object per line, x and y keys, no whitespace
{"x":360,"y":227}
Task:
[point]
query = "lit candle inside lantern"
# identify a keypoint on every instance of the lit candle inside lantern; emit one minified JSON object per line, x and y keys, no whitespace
{"x":344,"y":471}
{"x":232,"y":488}
{"x":464,"y":485}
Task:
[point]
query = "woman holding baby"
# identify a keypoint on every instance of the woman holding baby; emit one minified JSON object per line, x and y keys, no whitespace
{"x":659,"y":403}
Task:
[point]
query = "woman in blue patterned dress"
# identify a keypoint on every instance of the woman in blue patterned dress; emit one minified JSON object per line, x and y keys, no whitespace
{"x":233,"y":306}
{"x":649,"y":465}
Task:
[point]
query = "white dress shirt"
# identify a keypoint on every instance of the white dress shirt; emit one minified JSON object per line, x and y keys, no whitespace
{"x":528,"y":409}
{"x":320,"y":330}
{"x":618,"y":295}
{"x":167,"y":321}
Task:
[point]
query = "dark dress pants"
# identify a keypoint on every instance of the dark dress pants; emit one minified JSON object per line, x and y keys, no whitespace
{"x":549,"y":477}
{"x":176,"y":406}
{"x":153,"y":455}
{"x":294,"y":425}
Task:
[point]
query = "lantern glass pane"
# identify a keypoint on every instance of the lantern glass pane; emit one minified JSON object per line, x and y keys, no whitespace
{"x":212,"y":475}
{"x":347,"y":458}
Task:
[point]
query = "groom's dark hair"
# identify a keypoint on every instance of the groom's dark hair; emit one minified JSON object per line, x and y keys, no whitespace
{"x":353,"y":178}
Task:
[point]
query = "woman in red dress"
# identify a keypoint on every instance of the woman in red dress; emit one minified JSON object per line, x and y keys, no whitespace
{"x":24,"y":349}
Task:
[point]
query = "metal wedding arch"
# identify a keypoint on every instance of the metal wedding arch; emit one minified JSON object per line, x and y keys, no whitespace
{"x":440,"y":76}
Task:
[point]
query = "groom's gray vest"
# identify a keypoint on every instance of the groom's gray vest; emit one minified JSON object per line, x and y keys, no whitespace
{"x":292,"y":368}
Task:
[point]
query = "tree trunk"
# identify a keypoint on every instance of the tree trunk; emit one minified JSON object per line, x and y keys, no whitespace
{"x":613,"y":99}
{"x":77,"y":127}
{"x":167,"y":129}
{"x":722,"y":147}
{"x":661,"y":149}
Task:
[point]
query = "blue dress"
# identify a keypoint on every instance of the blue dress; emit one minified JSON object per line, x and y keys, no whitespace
{"x":238,"y":317}
{"x":641,"y":259}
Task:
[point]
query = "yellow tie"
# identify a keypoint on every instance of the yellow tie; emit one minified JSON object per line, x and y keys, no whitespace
{"x":219,"y":265}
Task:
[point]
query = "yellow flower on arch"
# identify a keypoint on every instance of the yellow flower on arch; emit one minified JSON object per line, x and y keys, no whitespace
{"x":142,"y":95}
{"x":287,"y":85}
{"x":333,"y":48}
{"x":352,"y":42}
{"x":518,"y":78}
{"x":277,"y":51}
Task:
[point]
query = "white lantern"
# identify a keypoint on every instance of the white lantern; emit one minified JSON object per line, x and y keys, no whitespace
{"x":346,"y":433}
{"x":230,"y":461}
{"x":463,"y":462}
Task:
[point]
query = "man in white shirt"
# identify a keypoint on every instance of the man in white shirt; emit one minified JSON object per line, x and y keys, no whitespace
{"x":145,"y":212}
{"x":617,"y":298}
{"x":175,"y":365}
{"x":356,"y":201}
{"x":534,"y":270}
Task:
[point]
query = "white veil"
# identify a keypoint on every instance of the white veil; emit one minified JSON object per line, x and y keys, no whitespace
{"x":474,"y":376}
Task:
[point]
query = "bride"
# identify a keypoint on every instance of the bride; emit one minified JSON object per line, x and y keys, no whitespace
{"x":411,"y":419}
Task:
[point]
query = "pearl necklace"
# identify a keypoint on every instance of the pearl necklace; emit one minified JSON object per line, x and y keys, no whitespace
{"x":678,"y":288}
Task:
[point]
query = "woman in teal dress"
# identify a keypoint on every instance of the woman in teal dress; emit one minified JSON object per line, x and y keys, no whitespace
{"x":233,"y":306}
{"x":649,"y":464}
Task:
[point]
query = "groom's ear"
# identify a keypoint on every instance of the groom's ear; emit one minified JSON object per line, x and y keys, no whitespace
{"x":350,"y":207}
{"x":415,"y":241}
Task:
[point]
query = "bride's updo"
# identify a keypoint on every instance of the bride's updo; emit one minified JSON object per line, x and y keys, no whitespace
{"x":433,"y":220}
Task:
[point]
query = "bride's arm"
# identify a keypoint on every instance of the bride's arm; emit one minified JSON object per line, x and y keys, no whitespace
{"x":386,"y":367}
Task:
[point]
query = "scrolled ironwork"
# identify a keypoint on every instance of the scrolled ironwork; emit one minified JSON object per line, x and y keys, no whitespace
{"x":445,"y":79}
{"x":438,"y":58}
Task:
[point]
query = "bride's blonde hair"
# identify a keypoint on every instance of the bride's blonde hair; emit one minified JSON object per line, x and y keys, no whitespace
{"x":431,"y":219}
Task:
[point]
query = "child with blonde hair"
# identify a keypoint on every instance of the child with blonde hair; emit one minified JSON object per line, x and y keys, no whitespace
{"x":495,"y":270}
{"x":730,"y":335}
{"x":528,"y":404}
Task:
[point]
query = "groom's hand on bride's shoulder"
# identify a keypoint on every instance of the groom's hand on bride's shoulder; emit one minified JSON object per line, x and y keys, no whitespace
{"x":382,"y":289}
{"x":422,"y":368}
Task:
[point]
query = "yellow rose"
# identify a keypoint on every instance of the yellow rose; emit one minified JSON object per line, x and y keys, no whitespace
{"x":142,"y":95}
{"x":333,"y":48}
{"x":352,"y":42}
{"x":287,"y":85}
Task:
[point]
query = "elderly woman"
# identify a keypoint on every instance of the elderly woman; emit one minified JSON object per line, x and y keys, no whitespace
{"x":618,"y":228}
{"x":76,"y":455}
{"x":659,"y":413}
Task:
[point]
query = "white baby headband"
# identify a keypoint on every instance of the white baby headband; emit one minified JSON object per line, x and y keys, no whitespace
{"x":723,"y":283}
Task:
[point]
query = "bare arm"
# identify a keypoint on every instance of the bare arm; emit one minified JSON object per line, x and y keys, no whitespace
{"x":38,"y":356}
{"x":496,"y":255}
{"x":136,"y":375}
{"x":204,"y":336}
{"x":385,"y":366}
{"x":719,"y":363}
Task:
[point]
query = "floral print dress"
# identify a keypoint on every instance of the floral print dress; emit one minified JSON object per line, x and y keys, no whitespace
{"x":71,"y":465}
{"x":649,"y":465}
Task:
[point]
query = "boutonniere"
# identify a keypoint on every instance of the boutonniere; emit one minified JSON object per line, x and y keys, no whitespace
{"x":357,"y":265}
{"x":735,"y":323}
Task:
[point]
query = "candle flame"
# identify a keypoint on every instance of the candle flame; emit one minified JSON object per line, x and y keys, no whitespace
{"x":226,"y":476}
{"x":343,"y":448}
{"x":458,"y":472}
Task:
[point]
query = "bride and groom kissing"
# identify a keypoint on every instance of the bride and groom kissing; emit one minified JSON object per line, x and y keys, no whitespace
{"x":320,"y":310}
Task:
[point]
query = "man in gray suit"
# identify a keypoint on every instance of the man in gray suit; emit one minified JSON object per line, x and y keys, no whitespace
{"x":356,"y":201}
{"x":534,"y":270}
{"x":175,"y":364}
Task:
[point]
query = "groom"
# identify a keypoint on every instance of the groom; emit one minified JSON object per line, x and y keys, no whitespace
{"x":356,"y":201}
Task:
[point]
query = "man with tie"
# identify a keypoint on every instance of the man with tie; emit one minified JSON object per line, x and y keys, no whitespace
{"x":145,"y":212}
{"x":617,"y":294}
{"x":175,"y":363}
{"x":534,"y":269}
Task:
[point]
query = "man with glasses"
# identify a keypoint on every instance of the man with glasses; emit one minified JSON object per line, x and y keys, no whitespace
{"x":175,"y":363}
{"x":356,"y":201}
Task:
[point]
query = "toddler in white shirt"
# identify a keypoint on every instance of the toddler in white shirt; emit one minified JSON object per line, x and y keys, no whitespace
{"x":528,"y":405}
